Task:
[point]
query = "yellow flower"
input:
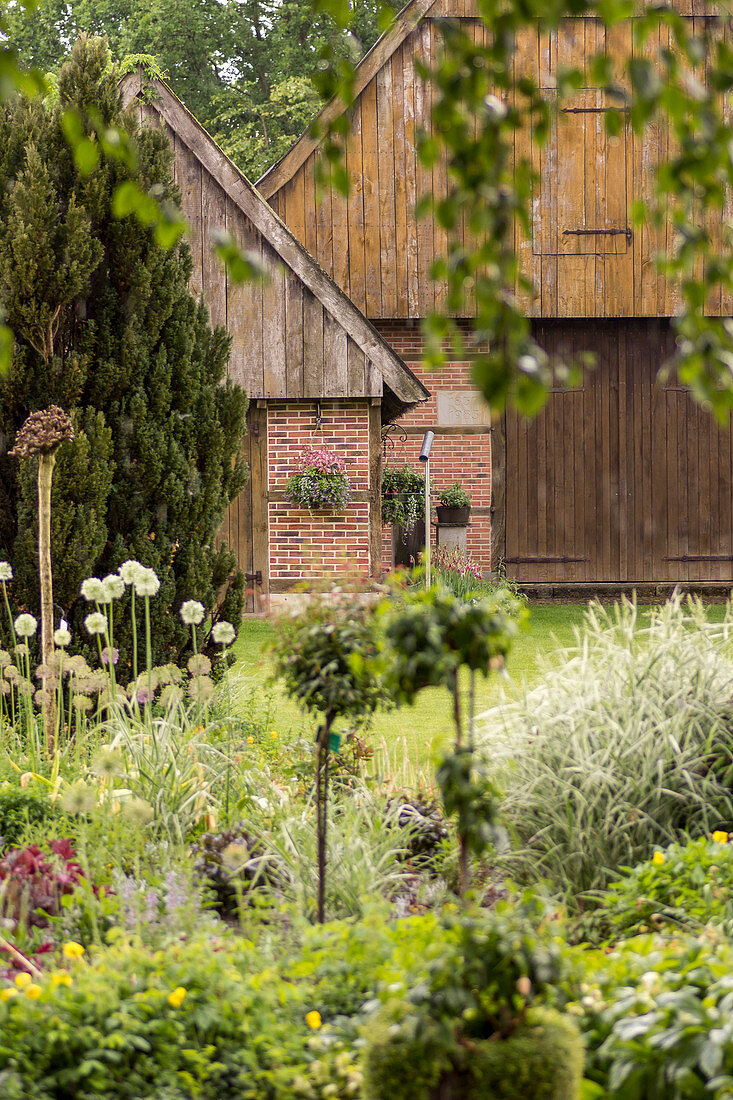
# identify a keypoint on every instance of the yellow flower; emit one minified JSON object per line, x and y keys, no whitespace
{"x":6,"y":994}
{"x":250,"y":740}
{"x":273,"y":734}
{"x":33,"y":991}
{"x":720,"y":836}
{"x":175,"y":999}
{"x":61,"y":977}
{"x":73,"y":950}
{"x":658,"y":858}
{"x":313,"y":1019}
{"x":22,"y":980}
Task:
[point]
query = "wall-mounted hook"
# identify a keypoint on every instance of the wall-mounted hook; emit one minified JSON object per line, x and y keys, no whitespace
{"x":319,"y":416}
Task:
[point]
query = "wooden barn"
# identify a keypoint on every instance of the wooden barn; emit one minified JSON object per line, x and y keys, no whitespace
{"x":315,"y":370}
{"x":620,"y":482}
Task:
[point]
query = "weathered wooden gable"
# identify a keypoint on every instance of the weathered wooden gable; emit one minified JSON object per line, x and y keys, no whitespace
{"x":295,"y":335}
{"x":585,"y":256}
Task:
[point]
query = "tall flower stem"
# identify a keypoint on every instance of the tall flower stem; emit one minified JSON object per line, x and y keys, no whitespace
{"x":10,"y":614}
{"x":148,"y":654}
{"x":134,"y":635}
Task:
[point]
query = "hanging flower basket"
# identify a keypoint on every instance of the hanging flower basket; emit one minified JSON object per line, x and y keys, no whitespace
{"x":320,"y":481}
{"x":403,"y":497}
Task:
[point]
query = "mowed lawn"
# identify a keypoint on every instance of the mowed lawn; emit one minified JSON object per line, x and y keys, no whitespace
{"x":407,"y":739}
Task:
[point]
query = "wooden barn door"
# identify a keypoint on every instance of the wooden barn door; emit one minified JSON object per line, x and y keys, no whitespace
{"x":621,"y":479}
{"x":245,"y":528}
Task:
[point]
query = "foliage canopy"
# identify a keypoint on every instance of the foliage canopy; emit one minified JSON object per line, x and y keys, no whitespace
{"x":106,"y":327}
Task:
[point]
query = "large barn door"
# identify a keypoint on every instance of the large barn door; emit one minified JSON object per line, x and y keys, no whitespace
{"x":621,"y":479}
{"x":245,"y":528}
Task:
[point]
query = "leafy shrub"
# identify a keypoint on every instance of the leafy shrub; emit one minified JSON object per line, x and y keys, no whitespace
{"x":193,"y":1019}
{"x":403,"y":496}
{"x":21,"y":810}
{"x":320,"y":480}
{"x":686,"y":886}
{"x":543,"y":1059}
{"x":656,"y":1018}
{"x":491,"y":969}
{"x":619,"y":747}
{"x":216,"y":1018}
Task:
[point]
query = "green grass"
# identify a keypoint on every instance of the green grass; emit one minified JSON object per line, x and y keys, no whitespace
{"x":407,"y":739}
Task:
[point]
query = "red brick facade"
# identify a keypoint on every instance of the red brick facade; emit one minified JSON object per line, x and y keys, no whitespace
{"x":462,"y":457}
{"x":303,"y":544}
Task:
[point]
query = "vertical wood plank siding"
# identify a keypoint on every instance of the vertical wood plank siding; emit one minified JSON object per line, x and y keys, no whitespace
{"x":381,"y":256}
{"x":285,"y":343}
{"x":621,"y":477}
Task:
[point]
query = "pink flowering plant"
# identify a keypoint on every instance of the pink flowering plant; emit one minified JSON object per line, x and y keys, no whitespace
{"x":458,"y":573}
{"x":320,"y":480}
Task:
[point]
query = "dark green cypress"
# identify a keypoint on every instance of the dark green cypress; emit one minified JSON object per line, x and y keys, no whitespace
{"x":106,"y":327}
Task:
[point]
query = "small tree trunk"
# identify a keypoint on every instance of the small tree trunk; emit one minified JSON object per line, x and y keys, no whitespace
{"x":462,"y":845}
{"x":322,"y":814}
{"x":46,"y":463}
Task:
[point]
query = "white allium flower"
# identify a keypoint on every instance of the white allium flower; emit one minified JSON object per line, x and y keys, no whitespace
{"x":62,"y":637}
{"x":26,"y":626}
{"x":129,"y":570}
{"x":92,"y":590}
{"x":114,"y":586}
{"x":6,"y":571}
{"x":201,"y":689}
{"x":146,"y":582}
{"x":223,"y":633}
{"x":96,"y":623}
{"x":192,"y":612}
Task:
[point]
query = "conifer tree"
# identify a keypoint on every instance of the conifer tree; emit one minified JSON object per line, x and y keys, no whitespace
{"x":106,"y":327}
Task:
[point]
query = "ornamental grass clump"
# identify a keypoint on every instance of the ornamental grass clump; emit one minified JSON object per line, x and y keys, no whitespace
{"x":626,"y":743}
{"x":320,"y":480}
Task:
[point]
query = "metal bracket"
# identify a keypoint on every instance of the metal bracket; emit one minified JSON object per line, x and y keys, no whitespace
{"x":254,"y":578}
{"x":599,"y":233}
{"x":592,"y":110}
{"x":542,"y":561}
{"x":700,"y":557}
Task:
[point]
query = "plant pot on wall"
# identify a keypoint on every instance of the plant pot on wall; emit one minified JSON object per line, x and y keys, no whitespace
{"x":453,"y":517}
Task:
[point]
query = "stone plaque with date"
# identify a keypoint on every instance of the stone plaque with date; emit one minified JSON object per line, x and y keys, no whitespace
{"x":461,"y":409}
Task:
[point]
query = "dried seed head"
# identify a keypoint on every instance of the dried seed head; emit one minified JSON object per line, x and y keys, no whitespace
{"x":43,"y":432}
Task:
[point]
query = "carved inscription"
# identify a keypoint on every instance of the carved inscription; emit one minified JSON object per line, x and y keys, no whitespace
{"x":461,"y":409}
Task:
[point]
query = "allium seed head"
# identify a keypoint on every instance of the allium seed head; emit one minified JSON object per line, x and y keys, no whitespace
{"x":192,"y":612}
{"x":96,"y":623}
{"x":26,"y":626}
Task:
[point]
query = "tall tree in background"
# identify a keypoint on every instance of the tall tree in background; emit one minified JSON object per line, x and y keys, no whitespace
{"x":242,"y":68}
{"x":106,"y":327}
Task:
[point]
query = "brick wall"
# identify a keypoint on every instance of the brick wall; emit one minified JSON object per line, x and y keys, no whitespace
{"x":302,"y":544}
{"x":462,"y":457}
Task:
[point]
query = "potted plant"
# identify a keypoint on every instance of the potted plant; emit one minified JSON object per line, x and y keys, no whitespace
{"x":403,"y":496}
{"x":454,"y":508}
{"x":320,"y":480}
